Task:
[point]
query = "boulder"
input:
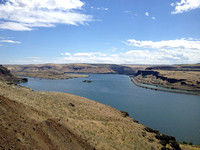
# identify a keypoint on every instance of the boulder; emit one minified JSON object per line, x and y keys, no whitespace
{"x":72,"y":105}
{"x":125,"y":114}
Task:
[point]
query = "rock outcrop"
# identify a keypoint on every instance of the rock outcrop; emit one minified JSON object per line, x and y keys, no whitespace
{"x":158,"y":76}
{"x":7,"y":76}
{"x":164,"y":139}
{"x":183,"y":77}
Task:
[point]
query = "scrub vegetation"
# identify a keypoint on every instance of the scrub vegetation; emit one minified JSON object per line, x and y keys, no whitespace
{"x":52,"y":120}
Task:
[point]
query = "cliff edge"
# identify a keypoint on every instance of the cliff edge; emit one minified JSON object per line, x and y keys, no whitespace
{"x":6,"y":76}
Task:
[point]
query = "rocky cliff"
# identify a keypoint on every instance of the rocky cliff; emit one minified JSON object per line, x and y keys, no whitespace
{"x":156,"y":74}
{"x":185,"y":77}
{"x":185,"y":67}
{"x":6,"y":76}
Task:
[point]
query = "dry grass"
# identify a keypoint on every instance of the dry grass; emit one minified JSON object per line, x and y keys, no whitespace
{"x":101,"y":126}
{"x":189,"y":147}
{"x":191,"y":79}
{"x":192,"y":76}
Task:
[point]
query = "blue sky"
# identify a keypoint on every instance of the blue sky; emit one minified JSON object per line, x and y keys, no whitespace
{"x":100,"y":31}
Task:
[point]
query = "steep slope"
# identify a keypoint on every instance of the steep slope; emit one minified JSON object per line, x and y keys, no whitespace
{"x":23,"y":127}
{"x":6,"y":76}
{"x":46,"y":120}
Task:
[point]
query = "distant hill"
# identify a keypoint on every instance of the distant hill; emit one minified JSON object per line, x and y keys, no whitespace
{"x":184,"y":67}
{"x":6,"y":76}
{"x":184,"y":77}
{"x":77,"y":68}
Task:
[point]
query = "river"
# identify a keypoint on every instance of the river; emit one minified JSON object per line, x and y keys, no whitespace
{"x":171,"y":113}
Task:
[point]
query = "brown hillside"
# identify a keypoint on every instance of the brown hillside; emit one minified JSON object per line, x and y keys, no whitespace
{"x":77,"y":68}
{"x":23,"y":127}
{"x":46,"y":120}
{"x":184,"y":77}
{"x":6,"y":76}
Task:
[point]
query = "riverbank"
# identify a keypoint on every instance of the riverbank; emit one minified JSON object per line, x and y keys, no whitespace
{"x":175,"y":77}
{"x":119,"y":92}
{"x":137,"y":83}
{"x":31,"y":119}
{"x":74,"y":120}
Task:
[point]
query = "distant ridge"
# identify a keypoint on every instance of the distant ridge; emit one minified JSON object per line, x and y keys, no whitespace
{"x":77,"y":68}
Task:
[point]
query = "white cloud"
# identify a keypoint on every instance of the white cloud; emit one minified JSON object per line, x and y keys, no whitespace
{"x":25,"y":15}
{"x":100,"y":8}
{"x":66,"y":54}
{"x":14,"y":26}
{"x":127,"y":11}
{"x":160,"y":52}
{"x":88,"y":57}
{"x":165,"y":52}
{"x":170,"y":44}
{"x":154,"y":57}
{"x":144,"y":52}
{"x":9,"y":41}
{"x":89,"y":54}
{"x":147,"y":14}
{"x":153,"y":18}
{"x":148,"y":56}
{"x":185,"y":5}
{"x":108,"y":59}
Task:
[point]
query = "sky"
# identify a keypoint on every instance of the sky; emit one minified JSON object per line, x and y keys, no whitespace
{"x":100,"y":31}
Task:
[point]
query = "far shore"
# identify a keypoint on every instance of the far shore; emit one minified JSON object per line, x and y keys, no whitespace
{"x":137,"y":83}
{"x":51,"y":75}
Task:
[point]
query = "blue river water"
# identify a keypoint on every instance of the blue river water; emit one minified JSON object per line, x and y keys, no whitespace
{"x":171,"y":113}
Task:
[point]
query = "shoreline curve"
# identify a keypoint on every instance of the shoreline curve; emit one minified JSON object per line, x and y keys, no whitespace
{"x":137,"y":83}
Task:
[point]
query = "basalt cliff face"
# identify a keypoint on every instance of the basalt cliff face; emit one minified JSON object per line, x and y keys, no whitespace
{"x":6,"y":76}
{"x":185,"y":77}
{"x":186,"y":67}
{"x":156,"y":74}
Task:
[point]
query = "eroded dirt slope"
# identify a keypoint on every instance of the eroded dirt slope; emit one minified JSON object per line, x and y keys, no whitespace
{"x":23,"y":127}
